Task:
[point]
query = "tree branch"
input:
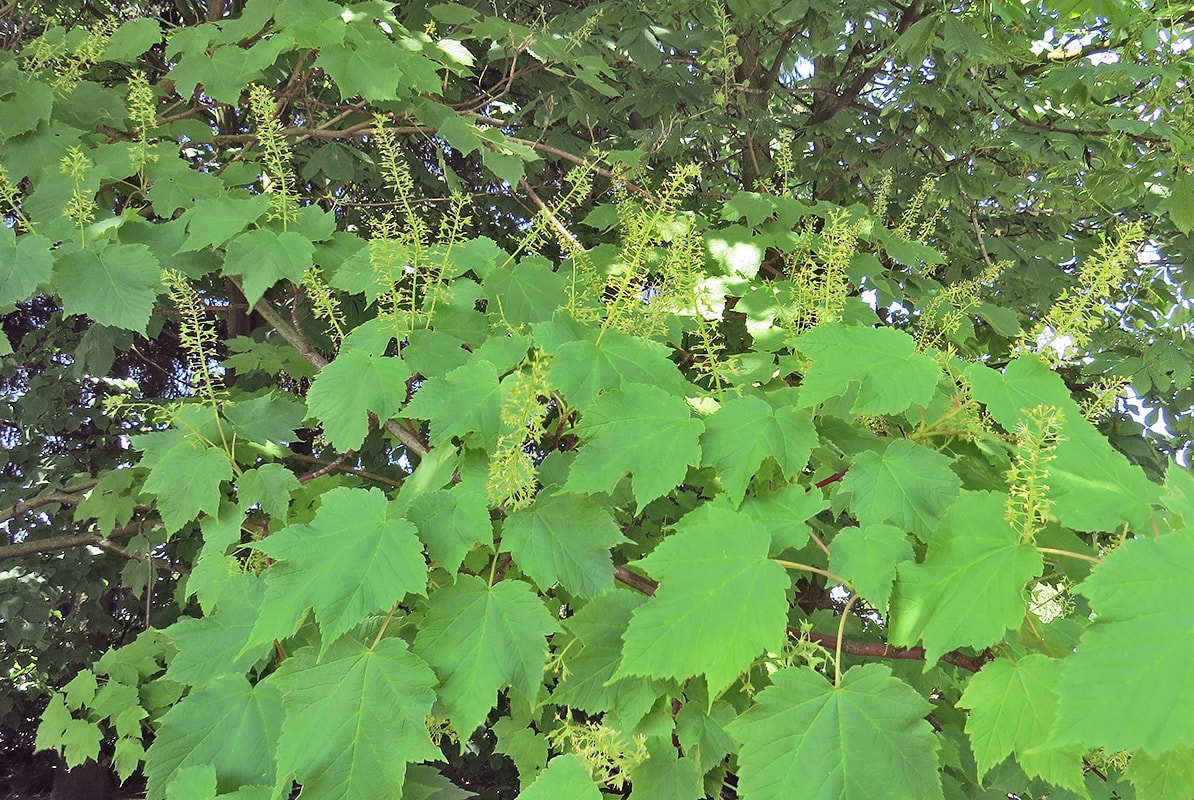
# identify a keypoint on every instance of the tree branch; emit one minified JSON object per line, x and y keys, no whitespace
{"x":67,"y":494}
{"x":36,"y":546}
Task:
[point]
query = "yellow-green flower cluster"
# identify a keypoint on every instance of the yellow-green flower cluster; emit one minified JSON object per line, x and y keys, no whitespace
{"x":608,"y":754}
{"x":278,"y":177}
{"x":1028,"y":504}
{"x":142,"y":109}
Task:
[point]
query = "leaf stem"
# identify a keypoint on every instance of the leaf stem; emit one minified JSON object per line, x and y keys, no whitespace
{"x":837,"y":649}
{"x":1070,"y":554}
{"x":817,"y":570}
{"x":384,"y":624}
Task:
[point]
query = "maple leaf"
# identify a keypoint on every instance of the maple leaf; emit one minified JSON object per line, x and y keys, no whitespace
{"x":564,"y":539}
{"x":907,"y":485}
{"x":868,"y":557}
{"x":527,"y":292}
{"x":385,"y":690}
{"x":228,"y":724}
{"x":468,"y":399}
{"x":784,"y":513}
{"x":479,"y":638}
{"x":353,"y":559}
{"x":718,"y":595}
{"x":1168,"y":776}
{"x":264,"y":257}
{"x":883,"y":373}
{"x":745,"y":431}
{"x":565,"y":776}
{"x":589,"y":682}
{"x":450,"y":522}
{"x":269,"y":486}
{"x":25,"y":264}
{"x":641,"y":430}
{"x":215,"y":645}
{"x":213,"y":221}
{"x":970,"y":588}
{"x":1144,"y":628}
{"x":169,"y":454}
{"x":864,"y":740}
{"x":116,"y":285}
{"x":347,"y":389}
{"x":1013,"y":707}
{"x":582,"y":369}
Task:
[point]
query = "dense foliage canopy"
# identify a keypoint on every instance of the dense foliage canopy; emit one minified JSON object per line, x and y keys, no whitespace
{"x":744,"y":399}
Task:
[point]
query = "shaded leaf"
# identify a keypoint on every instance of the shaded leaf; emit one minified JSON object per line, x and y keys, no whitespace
{"x":480,"y":638}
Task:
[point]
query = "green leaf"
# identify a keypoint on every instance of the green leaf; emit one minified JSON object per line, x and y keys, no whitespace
{"x":225,"y":71}
{"x":673,"y":778}
{"x":355,"y":718}
{"x":114,"y":286}
{"x":1013,"y":707}
{"x":480,"y":638}
{"x":747,"y":430}
{"x":367,"y":65}
{"x":583,"y":369}
{"x":352,"y":560}
{"x":197,"y":782}
{"x":175,"y":184}
{"x":264,"y":419}
{"x":264,"y":257}
{"x":215,"y":645}
{"x":864,"y":740}
{"x":25,"y":103}
{"x":878,"y":367}
{"x":56,"y":728}
{"x":25,"y":264}
{"x":751,"y":206}
{"x":907,"y":485}
{"x":185,"y":474}
{"x":450,"y":523}
{"x":641,"y":430}
{"x":526,"y":292}
{"x":349,"y":388}
{"x":228,"y":724}
{"x":868,"y":557}
{"x":268,"y":486}
{"x":589,"y":683}
{"x":720,"y":602}
{"x":1093,"y":486}
{"x":466,"y":400}
{"x":1144,"y":628}
{"x":1181,"y":203}
{"x":735,"y":250}
{"x":784,"y":513}
{"x":565,"y":776}
{"x":1168,"y":776}
{"x":132,"y":39}
{"x":970,"y":588}
{"x":211,"y":222}
{"x":564,"y":539}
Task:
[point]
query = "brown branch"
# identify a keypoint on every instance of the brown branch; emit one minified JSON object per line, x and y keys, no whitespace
{"x":842,"y":100}
{"x":67,"y":494}
{"x":36,"y":546}
{"x":865,"y":649}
